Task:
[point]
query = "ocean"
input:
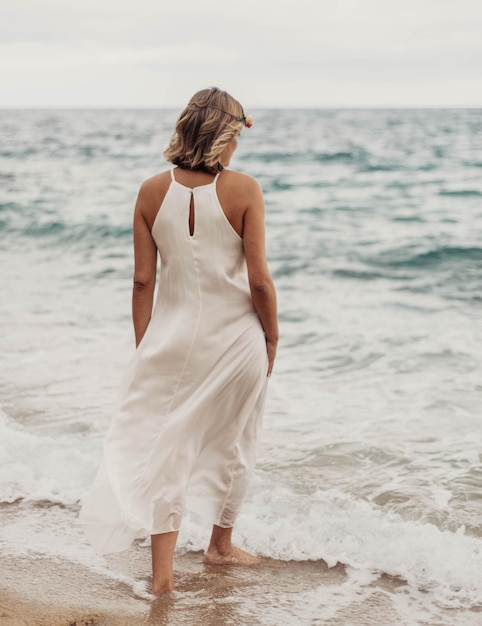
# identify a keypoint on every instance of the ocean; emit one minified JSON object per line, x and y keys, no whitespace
{"x":370,"y":454}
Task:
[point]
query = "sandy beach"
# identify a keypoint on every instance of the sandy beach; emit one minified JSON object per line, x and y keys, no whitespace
{"x":47,"y":590}
{"x":59,"y":593}
{"x":43,"y":590}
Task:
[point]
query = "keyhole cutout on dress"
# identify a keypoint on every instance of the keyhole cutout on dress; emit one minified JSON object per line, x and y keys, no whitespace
{"x":191,"y":215}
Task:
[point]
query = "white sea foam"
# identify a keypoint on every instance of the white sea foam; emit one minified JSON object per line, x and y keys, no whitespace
{"x":275,"y":522}
{"x":37,"y":467}
{"x":336,"y":527}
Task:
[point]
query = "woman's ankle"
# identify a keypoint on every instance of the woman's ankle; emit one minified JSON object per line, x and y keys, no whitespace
{"x":220,"y":542}
{"x":162,"y":584}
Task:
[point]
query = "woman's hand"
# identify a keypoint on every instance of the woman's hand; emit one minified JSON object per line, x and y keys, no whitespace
{"x":271,"y":347}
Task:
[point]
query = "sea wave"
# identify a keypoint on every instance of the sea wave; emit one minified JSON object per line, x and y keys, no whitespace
{"x":461,"y":193}
{"x":339,"y":528}
{"x":41,"y":468}
{"x":89,"y":233}
{"x":276,"y":521}
{"x":406,"y":257}
{"x":338,"y":156}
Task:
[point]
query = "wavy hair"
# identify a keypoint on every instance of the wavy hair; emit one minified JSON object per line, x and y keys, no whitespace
{"x":207,"y":124}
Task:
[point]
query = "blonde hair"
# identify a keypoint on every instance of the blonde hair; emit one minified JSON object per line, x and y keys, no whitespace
{"x":208,"y":123}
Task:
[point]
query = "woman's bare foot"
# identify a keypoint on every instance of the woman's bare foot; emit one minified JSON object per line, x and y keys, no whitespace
{"x":234,"y":556}
{"x":222,"y":552}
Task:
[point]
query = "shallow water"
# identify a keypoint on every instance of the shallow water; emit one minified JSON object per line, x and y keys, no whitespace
{"x":370,"y":454}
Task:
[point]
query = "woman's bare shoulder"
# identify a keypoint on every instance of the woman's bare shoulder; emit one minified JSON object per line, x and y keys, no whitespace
{"x":239,"y":178}
{"x":157,"y":183}
{"x":240,"y":184}
{"x":151,"y":195}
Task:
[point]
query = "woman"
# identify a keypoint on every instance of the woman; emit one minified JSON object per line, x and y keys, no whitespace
{"x":186,"y":430}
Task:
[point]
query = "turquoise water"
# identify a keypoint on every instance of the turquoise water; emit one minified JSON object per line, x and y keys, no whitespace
{"x":370,"y":453}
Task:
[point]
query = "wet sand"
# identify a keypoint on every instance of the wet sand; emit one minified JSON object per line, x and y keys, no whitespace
{"x":45,"y":592}
{"x":41,"y":589}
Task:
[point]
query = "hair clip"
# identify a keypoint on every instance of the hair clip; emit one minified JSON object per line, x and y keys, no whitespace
{"x":246,"y":119}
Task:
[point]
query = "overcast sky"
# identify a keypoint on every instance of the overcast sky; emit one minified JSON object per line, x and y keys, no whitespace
{"x":308,"y":53}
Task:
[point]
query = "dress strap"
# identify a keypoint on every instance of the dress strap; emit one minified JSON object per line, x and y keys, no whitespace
{"x":172,"y":174}
{"x":217,"y":176}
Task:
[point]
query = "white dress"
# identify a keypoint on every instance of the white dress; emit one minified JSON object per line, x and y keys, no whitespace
{"x":186,"y":429}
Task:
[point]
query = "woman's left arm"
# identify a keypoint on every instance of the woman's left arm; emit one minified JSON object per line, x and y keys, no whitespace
{"x":145,"y":261}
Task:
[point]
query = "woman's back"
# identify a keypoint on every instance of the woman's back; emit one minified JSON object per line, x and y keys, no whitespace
{"x":203,"y":276}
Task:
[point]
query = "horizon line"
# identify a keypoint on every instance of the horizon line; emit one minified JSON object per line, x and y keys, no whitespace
{"x":258,"y":107}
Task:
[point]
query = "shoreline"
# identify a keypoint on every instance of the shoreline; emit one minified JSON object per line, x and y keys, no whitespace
{"x":41,"y":590}
{"x":55,"y":592}
{"x":49,"y":576}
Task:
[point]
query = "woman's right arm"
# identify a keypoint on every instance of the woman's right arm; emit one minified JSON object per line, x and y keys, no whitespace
{"x":263,"y":292}
{"x":145,"y":261}
{"x":149,"y":199}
